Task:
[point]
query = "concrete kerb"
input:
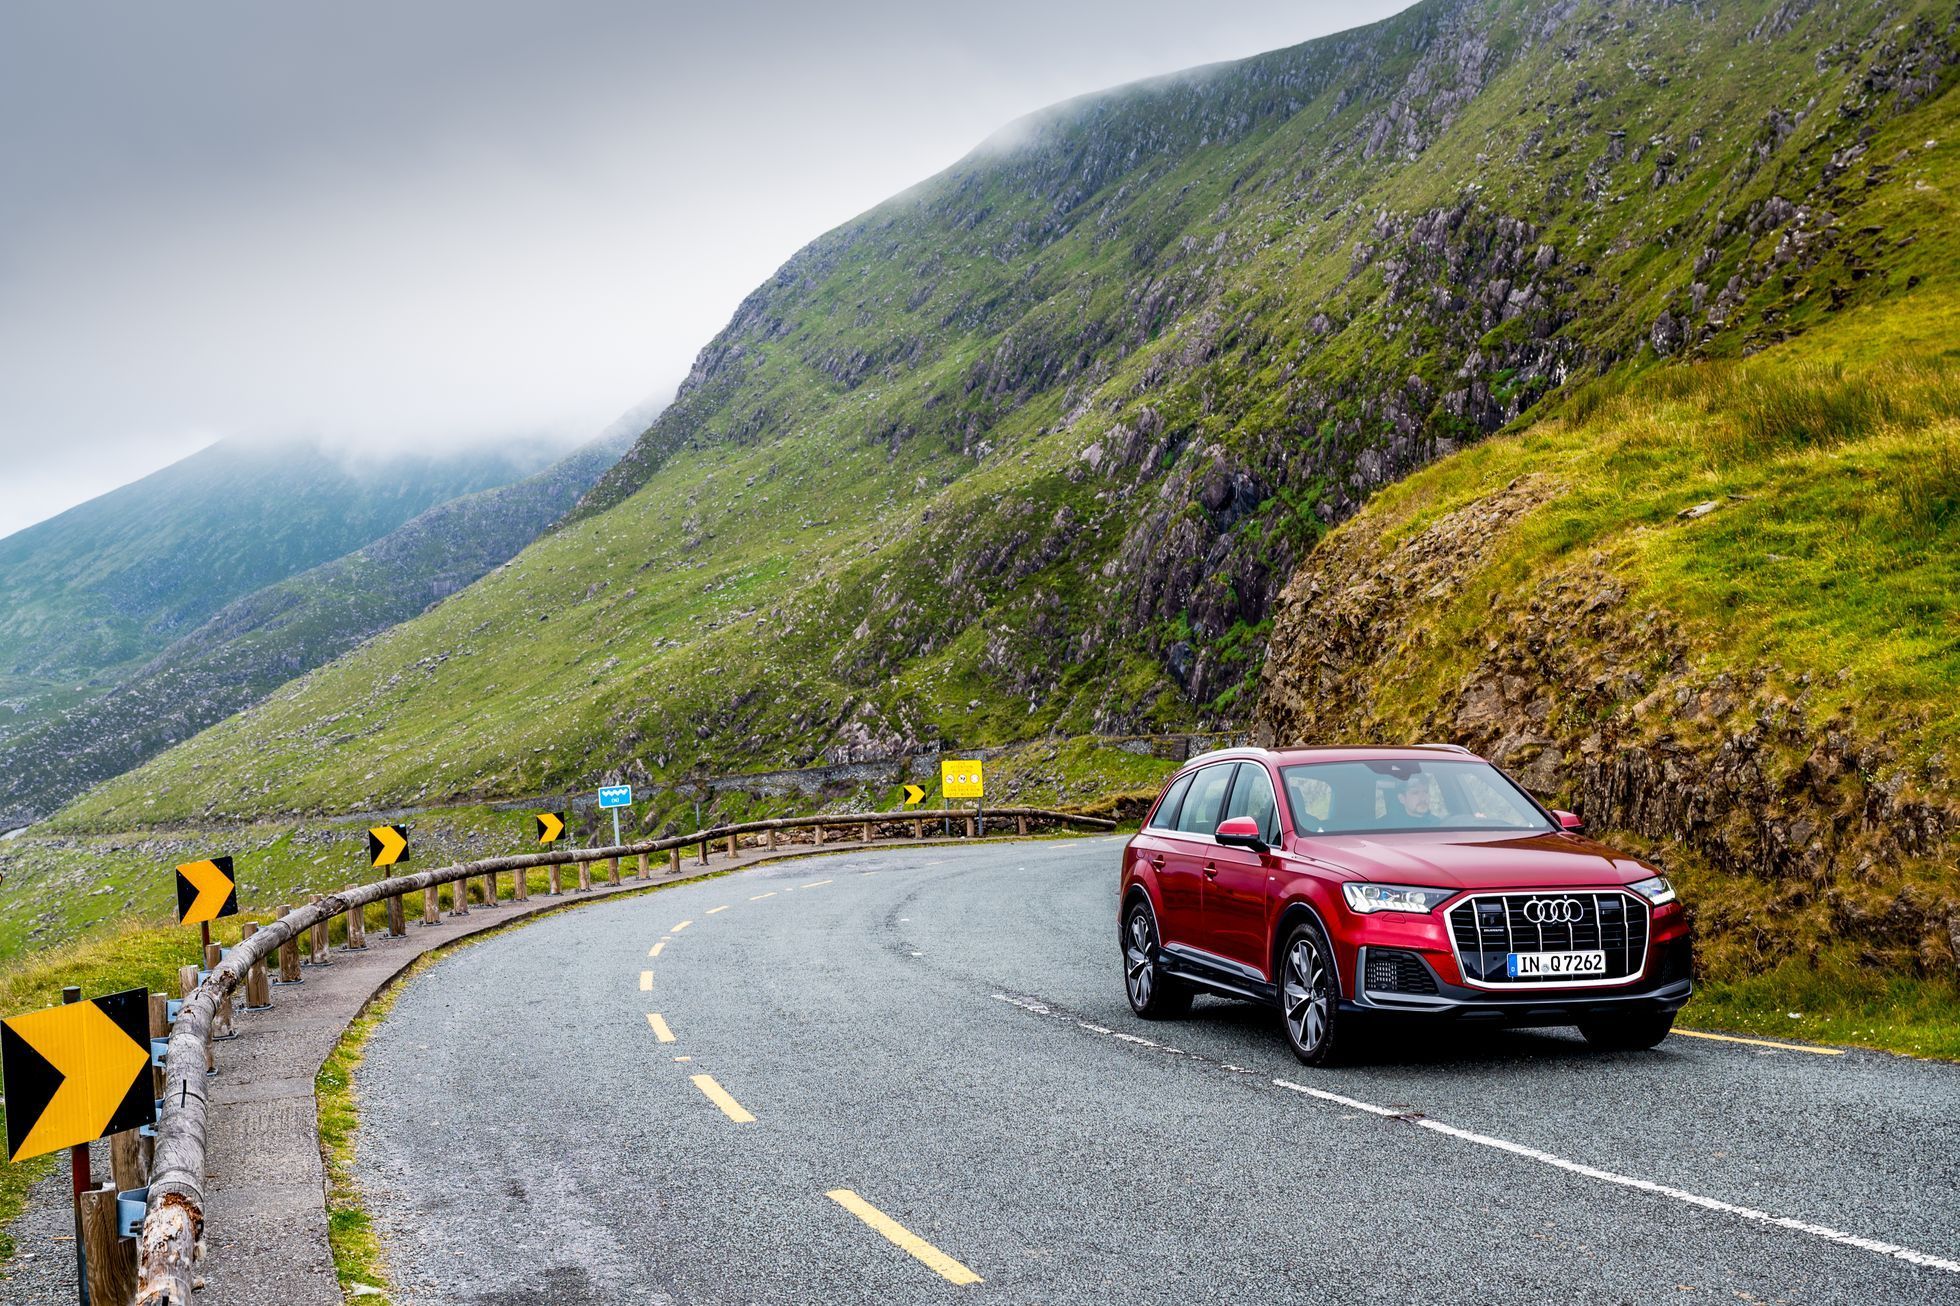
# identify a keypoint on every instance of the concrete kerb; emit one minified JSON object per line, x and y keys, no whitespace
{"x":266,"y":1188}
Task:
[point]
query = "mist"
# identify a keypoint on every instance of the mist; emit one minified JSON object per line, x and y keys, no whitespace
{"x":417,"y":228}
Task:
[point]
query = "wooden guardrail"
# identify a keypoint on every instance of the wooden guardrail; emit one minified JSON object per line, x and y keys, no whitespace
{"x":173,"y":1226}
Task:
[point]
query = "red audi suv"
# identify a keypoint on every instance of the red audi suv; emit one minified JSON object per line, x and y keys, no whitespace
{"x":1346,"y":884}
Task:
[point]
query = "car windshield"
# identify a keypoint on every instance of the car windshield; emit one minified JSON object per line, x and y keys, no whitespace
{"x":1398,"y":796}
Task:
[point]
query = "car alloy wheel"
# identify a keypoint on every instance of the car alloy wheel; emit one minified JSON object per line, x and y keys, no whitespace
{"x":1153,"y":995}
{"x":1307,"y":994}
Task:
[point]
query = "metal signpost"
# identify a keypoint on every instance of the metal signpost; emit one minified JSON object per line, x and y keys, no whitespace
{"x":614,"y":797}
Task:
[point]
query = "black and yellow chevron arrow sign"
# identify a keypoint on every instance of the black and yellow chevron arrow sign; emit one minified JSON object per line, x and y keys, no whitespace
{"x":76,"y":1073}
{"x":205,"y":891}
{"x":914,"y":795}
{"x":550,"y":826}
{"x":387,"y":844}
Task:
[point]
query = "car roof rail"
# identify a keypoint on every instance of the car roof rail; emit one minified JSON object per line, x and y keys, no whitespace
{"x":1449,"y":748}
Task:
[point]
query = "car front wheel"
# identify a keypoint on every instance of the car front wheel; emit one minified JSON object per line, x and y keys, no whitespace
{"x":1153,"y":994}
{"x":1309,"y":998}
{"x":1627,"y":1033}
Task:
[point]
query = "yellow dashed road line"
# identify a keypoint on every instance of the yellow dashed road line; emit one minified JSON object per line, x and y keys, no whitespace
{"x":814,"y":884}
{"x":654,"y":951}
{"x":760,"y":896}
{"x":713,"y":910}
{"x":678,"y":928}
{"x":646,"y":981}
{"x":902,"y":1238}
{"x":1762,"y":1043}
{"x":719,"y":1096}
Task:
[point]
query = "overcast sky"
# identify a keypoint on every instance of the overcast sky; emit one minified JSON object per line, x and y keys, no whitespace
{"x":414,"y":224}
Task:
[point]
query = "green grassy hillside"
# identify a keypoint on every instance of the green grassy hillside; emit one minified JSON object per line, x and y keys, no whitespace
{"x":254,"y":644}
{"x":90,"y":594}
{"x":1032,"y":448}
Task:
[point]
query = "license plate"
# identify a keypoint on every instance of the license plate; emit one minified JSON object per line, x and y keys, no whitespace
{"x":1554,"y":965}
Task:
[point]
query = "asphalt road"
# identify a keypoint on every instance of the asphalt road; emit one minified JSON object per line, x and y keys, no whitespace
{"x":940,"y":1037}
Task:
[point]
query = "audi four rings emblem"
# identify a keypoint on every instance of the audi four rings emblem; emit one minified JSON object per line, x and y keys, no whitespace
{"x":1554,"y":911}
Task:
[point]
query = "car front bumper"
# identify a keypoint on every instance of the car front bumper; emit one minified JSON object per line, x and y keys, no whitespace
{"x":1661,"y":990}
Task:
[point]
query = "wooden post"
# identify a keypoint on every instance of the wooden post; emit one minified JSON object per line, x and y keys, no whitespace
{"x":646,"y":868}
{"x":397,"y":916}
{"x":1021,"y":825}
{"x":612,"y":869}
{"x":489,"y":888}
{"x":520,"y":886}
{"x":356,"y":926}
{"x":258,"y":985}
{"x":918,"y":827}
{"x":111,"y":1259}
{"x":317,"y":941}
{"x":127,"y":1162}
{"x":557,"y":882}
{"x":187,"y":985}
{"x":818,"y":827}
{"x":870,"y":835}
{"x":969,"y":827}
{"x":584,"y":877}
{"x":704,"y":852}
{"x":159,"y":1028}
{"x":288,"y":952}
{"x":431,"y":907}
{"x":459,"y":897}
{"x":221,"y":1020}
{"x":674,"y":860}
{"x":772,"y":841}
{"x":731,"y":847}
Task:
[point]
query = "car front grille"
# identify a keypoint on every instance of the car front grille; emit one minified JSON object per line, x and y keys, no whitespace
{"x":1391,"y":970}
{"x":1489,"y":927}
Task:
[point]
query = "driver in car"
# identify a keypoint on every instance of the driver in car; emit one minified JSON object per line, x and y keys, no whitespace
{"x":1412,"y":796}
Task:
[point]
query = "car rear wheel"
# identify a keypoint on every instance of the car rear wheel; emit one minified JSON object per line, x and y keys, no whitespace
{"x":1309,"y":998}
{"x":1153,"y":994}
{"x":1627,"y":1033}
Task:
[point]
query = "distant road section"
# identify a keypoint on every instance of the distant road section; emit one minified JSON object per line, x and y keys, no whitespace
{"x":911,"y":1076}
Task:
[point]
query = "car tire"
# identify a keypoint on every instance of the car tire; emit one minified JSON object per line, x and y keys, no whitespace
{"x":1153,"y":994}
{"x":1627,"y":1033}
{"x":1310,"y":997}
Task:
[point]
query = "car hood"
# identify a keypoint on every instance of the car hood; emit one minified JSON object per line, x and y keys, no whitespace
{"x":1474,"y":861}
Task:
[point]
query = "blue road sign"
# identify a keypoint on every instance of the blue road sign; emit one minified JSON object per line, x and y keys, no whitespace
{"x":616,"y":796}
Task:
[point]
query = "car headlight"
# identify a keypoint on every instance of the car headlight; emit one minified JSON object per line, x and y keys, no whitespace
{"x":1366,"y":898}
{"x":1654,"y":889}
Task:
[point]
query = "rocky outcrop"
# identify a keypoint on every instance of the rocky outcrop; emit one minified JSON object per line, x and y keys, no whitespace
{"x":1795,"y":828}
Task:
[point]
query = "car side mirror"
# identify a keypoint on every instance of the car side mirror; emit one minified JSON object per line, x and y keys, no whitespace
{"x":1569,"y":821}
{"x":1241,"y":832}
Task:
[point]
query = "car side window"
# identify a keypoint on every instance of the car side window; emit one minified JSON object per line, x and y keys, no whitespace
{"x":1165,"y":817}
{"x":1252,"y":795}
{"x":1205,"y":800}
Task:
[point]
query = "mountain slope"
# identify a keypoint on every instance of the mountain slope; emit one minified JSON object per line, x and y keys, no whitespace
{"x":108,"y":583}
{"x":255,"y":644}
{"x":1033,"y":447}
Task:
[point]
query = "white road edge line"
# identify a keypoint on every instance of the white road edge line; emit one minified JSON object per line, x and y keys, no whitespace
{"x":1823,"y":1231}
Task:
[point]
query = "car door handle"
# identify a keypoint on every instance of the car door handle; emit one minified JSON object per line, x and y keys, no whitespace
{"x":1211,"y":870}
{"x":1157,"y":860}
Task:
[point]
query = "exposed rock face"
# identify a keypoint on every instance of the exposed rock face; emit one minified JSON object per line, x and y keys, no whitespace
{"x":1792,"y":828}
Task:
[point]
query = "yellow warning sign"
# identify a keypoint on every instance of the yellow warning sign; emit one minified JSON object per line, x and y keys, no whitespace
{"x":962,"y":779}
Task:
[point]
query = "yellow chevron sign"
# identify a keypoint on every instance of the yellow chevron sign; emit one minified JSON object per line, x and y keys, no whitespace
{"x":76,"y":1073}
{"x":205,"y":891}
{"x":387,"y":844}
{"x":914,"y":795}
{"x":962,"y":779}
{"x":550,"y":826}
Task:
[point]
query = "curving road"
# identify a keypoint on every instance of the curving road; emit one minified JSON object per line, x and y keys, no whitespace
{"x":938,"y":1036}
